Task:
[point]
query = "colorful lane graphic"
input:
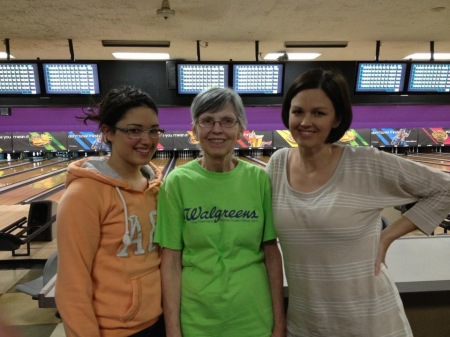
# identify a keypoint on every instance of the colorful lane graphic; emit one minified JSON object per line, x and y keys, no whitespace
{"x":434,"y":136}
{"x":392,"y":137}
{"x":39,"y":141}
{"x":250,"y":139}
{"x":354,"y":137}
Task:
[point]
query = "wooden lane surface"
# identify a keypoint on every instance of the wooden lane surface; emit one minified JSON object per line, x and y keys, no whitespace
{"x":11,"y":213}
{"x":251,"y":161}
{"x":25,"y":192}
{"x":19,"y":194}
{"x":182,"y":161}
{"x":8,"y":163}
{"x":12,"y":164}
{"x":160,"y":162}
{"x":431,"y":163}
{"x":442,"y":159}
{"x":55,"y":196}
{"x":32,"y":173}
{"x":28,"y":165}
{"x":264,"y":158}
{"x":432,"y":159}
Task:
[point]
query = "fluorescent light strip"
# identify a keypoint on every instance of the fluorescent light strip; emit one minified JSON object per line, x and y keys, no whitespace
{"x":292,"y":56}
{"x":427,"y":56}
{"x":141,"y":56}
{"x":315,"y":44}
{"x":3,"y":55}
{"x":135,"y":43}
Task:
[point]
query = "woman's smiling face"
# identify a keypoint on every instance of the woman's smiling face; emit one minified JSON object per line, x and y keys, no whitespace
{"x":311,"y":118}
{"x":217,"y":141}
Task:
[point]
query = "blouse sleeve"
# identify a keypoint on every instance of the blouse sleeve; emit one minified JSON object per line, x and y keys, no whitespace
{"x":428,"y":186}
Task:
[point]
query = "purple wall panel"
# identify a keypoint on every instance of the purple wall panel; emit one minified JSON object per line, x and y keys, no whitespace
{"x":401,"y":116}
{"x":259,"y":118}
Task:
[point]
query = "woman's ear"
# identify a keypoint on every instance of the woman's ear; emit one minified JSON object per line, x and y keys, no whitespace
{"x":194,"y":132}
{"x":240,"y":133}
{"x":107,"y":132}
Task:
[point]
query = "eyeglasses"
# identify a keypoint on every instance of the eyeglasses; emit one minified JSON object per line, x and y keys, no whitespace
{"x":209,"y":122}
{"x":136,"y":133}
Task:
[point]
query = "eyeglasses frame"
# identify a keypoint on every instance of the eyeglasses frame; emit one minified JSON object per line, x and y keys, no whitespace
{"x":127,"y":130}
{"x":236,"y":121}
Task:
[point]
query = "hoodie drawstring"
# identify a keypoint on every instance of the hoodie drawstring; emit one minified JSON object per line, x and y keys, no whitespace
{"x":126,"y":239}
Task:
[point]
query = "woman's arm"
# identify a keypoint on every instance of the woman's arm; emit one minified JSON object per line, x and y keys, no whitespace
{"x":78,"y":237}
{"x":388,"y":235}
{"x":171,"y":289}
{"x":272,"y":260}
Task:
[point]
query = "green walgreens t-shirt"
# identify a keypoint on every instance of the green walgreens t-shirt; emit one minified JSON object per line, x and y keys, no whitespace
{"x":219,"y":221}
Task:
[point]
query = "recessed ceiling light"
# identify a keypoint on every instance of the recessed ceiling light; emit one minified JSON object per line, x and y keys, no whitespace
{"x":315,"y":44}
{"x":3,"y":55}
{"x":291,"y":56}
{"x":427,"y":56}
{"x":141,"y":56}
{"x":135,"y":43}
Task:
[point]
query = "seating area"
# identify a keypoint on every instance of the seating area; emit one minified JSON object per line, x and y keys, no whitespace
{"x":34,"y":287}
{"x":36,"y":227}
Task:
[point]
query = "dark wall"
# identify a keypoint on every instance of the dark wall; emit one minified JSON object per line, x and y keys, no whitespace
{"x":155,"y":78}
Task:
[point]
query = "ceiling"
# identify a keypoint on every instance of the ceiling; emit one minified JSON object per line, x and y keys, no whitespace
{"x":226,"y":29}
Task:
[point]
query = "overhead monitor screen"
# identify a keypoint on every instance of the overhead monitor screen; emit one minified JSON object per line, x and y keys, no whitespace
{"x":258,"y":79}
{"x":192,"y":78}
{"x":19,"y":79}
{"x":429,"y":78}
{"x":380,"y":77}
{"x":71,"y":78}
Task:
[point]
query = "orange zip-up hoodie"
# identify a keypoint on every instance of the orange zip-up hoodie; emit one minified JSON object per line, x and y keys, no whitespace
{"x":108,"y":280}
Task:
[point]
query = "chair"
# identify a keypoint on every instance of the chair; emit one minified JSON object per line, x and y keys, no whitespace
{"x":33,"y":287}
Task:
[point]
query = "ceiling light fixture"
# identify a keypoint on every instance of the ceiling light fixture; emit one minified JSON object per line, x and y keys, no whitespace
{"x":135,"y":43}
{"x":316,"y":44}
{"x":165,"y":10}
{"x":141,"y":56}
{"x":291,"y":56}
{"x":427,"y":56}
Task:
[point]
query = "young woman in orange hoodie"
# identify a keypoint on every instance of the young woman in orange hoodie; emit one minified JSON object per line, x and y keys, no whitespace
{"x":108,"y":281}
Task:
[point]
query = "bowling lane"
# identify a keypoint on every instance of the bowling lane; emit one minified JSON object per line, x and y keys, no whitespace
{"x":437,"y":163}
{"x":55,"y":196}
{"x":17,"y":195}
{"x":27,"y":165}
{"x":12,"y":163}
{"x":33,"y":173}
{"x":159,"y":162}
{"x":255,"y":161}
{"x":183,"y":160}
{"x":438,"y":159}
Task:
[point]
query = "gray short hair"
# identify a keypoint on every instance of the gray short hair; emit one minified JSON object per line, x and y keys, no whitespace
{"x":214,"y":99}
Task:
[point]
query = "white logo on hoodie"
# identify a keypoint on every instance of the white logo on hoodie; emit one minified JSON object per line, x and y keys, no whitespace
{"x":135,"y":232}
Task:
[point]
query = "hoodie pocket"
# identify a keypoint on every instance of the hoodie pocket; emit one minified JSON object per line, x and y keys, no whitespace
{"x":136,"y":297}
{"x":145,"y":299}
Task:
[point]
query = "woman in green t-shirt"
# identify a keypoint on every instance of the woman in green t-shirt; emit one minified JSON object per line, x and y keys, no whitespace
{"x":221,"y":267}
